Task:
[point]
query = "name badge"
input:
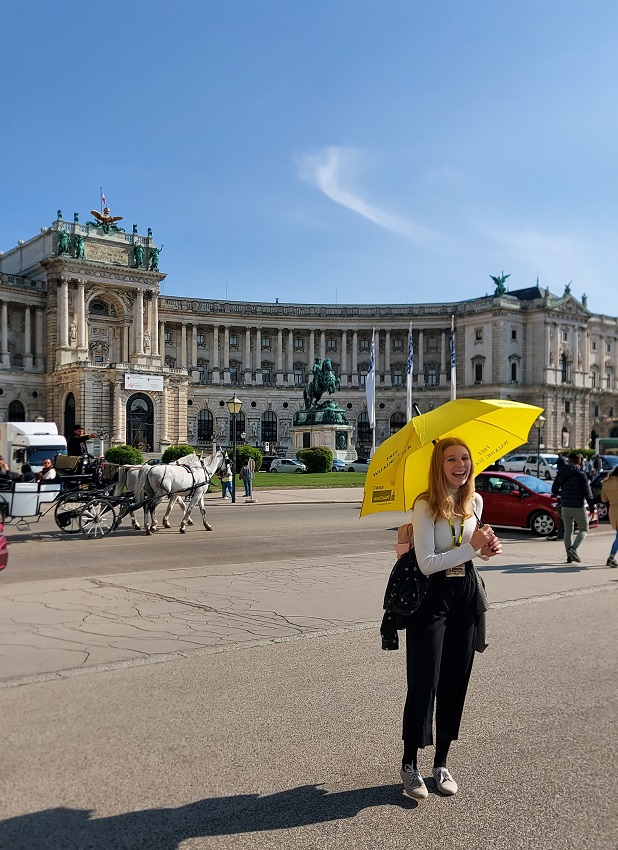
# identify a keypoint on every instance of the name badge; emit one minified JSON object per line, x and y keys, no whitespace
{"x":456,"y":572}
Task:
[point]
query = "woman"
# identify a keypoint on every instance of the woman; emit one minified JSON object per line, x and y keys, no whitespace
{"x":441,"y":635}
{"x":609,"y":493}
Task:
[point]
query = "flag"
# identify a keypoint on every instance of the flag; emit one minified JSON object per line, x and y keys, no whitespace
{"x":409,"y":369}
{"x":103,"y":201}
{"x":370,"y":384}
{"x":453,"y":362}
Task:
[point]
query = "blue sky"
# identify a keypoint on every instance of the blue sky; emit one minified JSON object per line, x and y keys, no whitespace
{"x":372,"y":152}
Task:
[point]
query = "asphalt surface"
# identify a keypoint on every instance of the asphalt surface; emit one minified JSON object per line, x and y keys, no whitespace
{"x":281,"y":728}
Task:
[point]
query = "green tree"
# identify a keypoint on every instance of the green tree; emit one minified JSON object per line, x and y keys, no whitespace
{"x":245,"y":452}
{"x":124,"y":454}
{"x":172,"y":453}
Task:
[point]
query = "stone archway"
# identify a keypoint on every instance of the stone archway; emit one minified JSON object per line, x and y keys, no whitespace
{"x":140,"y":422}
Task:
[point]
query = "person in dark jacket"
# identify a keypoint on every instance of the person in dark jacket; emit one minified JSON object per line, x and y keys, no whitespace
{"x":573,"y":487}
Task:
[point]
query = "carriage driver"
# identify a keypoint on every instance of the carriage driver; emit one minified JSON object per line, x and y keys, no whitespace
{"x":77,"y":442}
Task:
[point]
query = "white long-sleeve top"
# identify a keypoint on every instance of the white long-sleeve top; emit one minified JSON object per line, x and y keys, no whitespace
{"x":433,"y":540}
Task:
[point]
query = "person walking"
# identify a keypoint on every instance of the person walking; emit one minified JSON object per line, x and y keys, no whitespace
{"x":573,"y":487}
{"x":226,"y":480}
{"x":609,"y":493}
{"x":245,"y":477}
{"x":441,"y":634}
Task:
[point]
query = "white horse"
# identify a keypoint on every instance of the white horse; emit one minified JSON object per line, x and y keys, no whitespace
{"x":127,"y":480}
{"x":190,"y":475}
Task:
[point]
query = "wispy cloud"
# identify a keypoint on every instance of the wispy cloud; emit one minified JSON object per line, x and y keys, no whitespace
{"x":329,"y":169}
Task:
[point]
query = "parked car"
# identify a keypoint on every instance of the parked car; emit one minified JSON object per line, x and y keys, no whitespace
{"x":497,"y":466}
{"x":357,"y":465}
{"x":286,"y":464}
{"x":338,"y":465}
{"x":595,"y":486}
{"x":514,"y":463}
{"x":547,"y":465}
{"x":266,"y":462}
{"x":609,"y":462}
{"x":516,"y":499}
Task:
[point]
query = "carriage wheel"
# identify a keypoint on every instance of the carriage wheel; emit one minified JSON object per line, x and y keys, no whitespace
{"x":66,"y":512}
{"x":97,"y":518}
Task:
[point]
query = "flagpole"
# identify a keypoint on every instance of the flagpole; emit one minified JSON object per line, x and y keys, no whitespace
{"x":370,"y":390}
{"x":409,"y":375}
{"x":453,"y":362}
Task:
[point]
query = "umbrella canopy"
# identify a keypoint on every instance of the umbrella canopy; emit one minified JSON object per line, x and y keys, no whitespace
{"x":399,"y":469}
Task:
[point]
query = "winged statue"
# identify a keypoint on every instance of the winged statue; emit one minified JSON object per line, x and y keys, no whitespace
{"x":106,"y":221}
{"x":500,"y":283}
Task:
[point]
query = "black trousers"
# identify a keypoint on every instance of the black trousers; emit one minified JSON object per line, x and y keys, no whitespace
{"x":440,"y":640}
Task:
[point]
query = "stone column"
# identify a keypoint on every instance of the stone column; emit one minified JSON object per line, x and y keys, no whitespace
{"x":118,"y":415}
{"x":258,"y":355}
{"x":378,"y":359}
{"x":138,"y":319}
{"x":290,"y":369}
{"x":194,"y":330}
{"x":387,"y":359}
{"x":247,"y":355}
{"x":156,"y":349}
{"x":344,"y":358}
{"x":164,"y":417}
{"x":575,"y":369}
{"x":127,"y":343}
{"x":216,"y":375}
{"x":39,"y":346}
{"x":162,"y":342}
{"x":183,"y":346}
{"x":28,"y":361}
{"x":443,"y":357}
{"x":322,"y":345}
{"x":4,"y":332}
{"x":420,"y":374}
{"x":226,"y":354}
{"x":355,"y":358}
{"x":279,"y":357}
{"x":63,"y":314}
{"x":557,"y":353}
{"x":311,"y":349}
{"x":81,"y":316}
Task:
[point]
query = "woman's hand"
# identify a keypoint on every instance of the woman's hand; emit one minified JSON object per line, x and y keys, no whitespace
{"x":491,"y":549}
{"x":482,"y":536}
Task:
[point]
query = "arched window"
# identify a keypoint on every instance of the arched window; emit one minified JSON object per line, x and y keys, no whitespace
{"x":240,"y":426}
{"x":269,"y":427}
{"x":140,"y":421}
{"x":69,"y":414}
{"x":17,"y":412}
{"x":363,"y":431}
{"x":99,"y":308}
{"x":398,"y":420}
{"x":205,"y":426}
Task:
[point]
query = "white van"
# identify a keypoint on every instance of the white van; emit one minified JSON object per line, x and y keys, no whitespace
{"x":545,"y":465}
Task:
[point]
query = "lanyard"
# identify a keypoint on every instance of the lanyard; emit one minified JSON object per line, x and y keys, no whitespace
{"x":456,"y":539}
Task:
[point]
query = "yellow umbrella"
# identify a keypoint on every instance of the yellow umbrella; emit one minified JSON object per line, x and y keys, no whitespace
{"x":399,"y":469}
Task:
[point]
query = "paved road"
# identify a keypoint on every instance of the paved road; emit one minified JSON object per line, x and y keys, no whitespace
{"x":248,"y":705}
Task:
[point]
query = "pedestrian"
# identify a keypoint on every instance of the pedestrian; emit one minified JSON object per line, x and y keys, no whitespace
{"x":441,"y":633}
{"x":226,"y":480}
{"x":245,"y":477}
{"x":573,"y":487}
{"x":609,"y":493}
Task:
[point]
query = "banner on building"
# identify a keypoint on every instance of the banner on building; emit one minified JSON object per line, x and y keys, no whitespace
{"x":133,"y":381}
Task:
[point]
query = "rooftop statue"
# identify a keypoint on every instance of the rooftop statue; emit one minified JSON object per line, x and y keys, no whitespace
{"x":500,"y":283}
{"x":323,"y":380}
{"x":106,"y":221}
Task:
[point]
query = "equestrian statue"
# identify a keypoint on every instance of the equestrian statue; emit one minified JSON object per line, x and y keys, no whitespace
{"x":323,"y":380}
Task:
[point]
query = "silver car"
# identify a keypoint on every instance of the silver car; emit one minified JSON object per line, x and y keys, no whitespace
{"x":286,"y":464}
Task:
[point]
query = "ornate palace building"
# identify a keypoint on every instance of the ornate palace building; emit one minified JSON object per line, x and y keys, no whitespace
{"x":86,"y":336}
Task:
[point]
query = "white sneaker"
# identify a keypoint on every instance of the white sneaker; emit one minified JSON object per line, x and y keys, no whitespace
{"x":444,"y":781}
{"x":413,"y":785}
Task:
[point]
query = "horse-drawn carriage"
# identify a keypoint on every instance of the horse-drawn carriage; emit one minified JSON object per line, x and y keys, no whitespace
{"x":95,"y":500}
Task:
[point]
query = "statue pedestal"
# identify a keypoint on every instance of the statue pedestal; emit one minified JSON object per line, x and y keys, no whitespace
{"x":325,"y":425}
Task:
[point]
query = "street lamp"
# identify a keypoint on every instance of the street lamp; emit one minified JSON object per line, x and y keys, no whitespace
{"x":234,"y":406}
{"x":538,"y":424}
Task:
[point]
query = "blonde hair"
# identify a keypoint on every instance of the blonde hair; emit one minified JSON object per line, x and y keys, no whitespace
{"x":441,"y":503}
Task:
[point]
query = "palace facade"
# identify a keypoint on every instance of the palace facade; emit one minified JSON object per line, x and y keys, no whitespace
{"x":86,"y":336}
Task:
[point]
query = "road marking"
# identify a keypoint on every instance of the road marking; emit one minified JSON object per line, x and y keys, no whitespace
{"x":174,"y":656}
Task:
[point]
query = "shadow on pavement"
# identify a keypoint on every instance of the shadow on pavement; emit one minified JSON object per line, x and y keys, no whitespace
{"x":165,"y":829}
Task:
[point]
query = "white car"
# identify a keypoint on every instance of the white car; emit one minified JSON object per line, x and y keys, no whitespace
{"x":357,"y":466}
{"x":285,"y":464}
{"x":547,"y":464}
{"x":514,"y":463}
